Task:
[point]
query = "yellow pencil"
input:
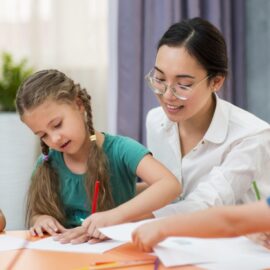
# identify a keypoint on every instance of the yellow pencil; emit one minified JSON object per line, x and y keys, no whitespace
{"x":117,"y":264}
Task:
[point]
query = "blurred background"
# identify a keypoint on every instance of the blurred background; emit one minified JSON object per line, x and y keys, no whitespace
{"x":108,"y":46}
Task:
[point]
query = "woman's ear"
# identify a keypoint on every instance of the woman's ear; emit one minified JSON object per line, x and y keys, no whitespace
{"x":217,"y":82}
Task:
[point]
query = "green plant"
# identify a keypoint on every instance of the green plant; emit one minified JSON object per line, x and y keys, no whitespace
{"x":11,"y":76}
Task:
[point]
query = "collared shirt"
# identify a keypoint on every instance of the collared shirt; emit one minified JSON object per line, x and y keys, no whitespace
{"x":220,"y":169}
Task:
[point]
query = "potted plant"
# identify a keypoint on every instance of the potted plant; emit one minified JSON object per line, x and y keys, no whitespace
{"x":11,"y":76}
{"x":17,"y":144}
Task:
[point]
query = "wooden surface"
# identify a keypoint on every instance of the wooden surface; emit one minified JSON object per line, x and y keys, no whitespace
{"x":26,"y":259}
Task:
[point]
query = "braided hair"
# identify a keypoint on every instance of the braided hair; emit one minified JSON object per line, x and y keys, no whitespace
{"x":44,"y":194}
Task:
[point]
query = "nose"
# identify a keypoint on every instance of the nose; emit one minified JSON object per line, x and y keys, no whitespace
{"x":169,"y":93}
{"x":55,"y":138}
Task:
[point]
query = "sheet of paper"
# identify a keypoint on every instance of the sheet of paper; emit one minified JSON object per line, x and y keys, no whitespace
{"x":50,"y":244}
{"x":122,"y":232}
{"x":11,"y":243}
{"x":233,"y":253}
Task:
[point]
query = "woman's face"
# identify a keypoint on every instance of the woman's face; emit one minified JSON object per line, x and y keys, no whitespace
{"x":175,"y":67}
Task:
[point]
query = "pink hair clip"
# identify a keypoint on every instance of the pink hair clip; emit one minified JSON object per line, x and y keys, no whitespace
{"x":45,"y":158}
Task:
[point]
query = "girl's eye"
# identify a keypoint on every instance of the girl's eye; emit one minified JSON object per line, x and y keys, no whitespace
{"x":58,"y":125}
{"x":43,"y":136}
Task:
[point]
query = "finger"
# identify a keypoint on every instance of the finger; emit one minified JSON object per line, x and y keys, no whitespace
{"x":49,"y":229}
{"x":38,"y":230}
{"x":96,"y":234}
{"x":60,"y":228}
{"x":91,"y":230}
{"x":33,"y":231}
{"x":144,"y":247}
{"x":94,"y":241}
{"x":52,"y":226}
{"x":103,"y":237}
{"x":81,"y":239}
{"x":86,"y":223}
{"x":72,"y":234}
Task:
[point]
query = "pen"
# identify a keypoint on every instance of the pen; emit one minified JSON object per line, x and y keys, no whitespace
{"x":119,"y":264}
{"x":94,"y":200}
{"x":156,"y":264}
{"x":95,"y":197}
{"x":257,"y":192}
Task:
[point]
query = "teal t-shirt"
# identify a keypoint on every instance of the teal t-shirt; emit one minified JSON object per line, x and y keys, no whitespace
{"x":124,"y":155}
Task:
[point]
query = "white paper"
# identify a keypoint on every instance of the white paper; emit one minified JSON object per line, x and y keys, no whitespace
{"x":11,"y":243}
{"x":122,"y":232}
{"x":222,"y":253}
{"x":217,"y":253}
{"x":50,"y":244}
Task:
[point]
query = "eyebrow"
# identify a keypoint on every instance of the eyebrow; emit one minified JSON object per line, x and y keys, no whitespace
{"x":177,"y":76}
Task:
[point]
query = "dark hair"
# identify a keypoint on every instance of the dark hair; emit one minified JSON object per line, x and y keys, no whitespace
{"x":43,"y":194}
{"x":202,"y":40}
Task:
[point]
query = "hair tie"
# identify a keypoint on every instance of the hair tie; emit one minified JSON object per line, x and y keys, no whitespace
{"x":45,"y":158}
{"x":93,"y":138}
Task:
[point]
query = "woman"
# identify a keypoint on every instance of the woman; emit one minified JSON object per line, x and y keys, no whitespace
{"x":214,"y":148}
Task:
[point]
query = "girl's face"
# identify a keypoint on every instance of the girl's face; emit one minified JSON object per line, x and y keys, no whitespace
{"x":60,"y":125}
{"x":176,"y":67}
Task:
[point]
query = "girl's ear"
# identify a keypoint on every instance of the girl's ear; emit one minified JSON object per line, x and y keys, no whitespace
{"x":79,"y":105}
{"x":217,"y":82}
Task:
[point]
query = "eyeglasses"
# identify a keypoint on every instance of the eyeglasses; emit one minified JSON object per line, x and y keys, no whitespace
{"x":159,"y":86}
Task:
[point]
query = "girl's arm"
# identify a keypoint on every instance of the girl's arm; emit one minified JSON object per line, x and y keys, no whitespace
{"x":163,"y":189}
{"x":225,"y":221}
{"x":2,"y":221}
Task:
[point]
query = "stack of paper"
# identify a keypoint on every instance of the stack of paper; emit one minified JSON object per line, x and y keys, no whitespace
{"x":218,"y":253}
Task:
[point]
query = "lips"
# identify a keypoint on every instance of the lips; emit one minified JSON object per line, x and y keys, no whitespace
{"x":173,"y":108}
{"x":64,"y":145}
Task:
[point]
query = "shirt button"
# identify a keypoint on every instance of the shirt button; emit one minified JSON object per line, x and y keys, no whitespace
{"x":202,"y":142}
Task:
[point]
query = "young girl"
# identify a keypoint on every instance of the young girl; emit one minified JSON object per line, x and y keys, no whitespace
{"x":74,"y":156}
{"x":2,"y":221}
{"x":224,"y":221}
{"x":215,"y":149}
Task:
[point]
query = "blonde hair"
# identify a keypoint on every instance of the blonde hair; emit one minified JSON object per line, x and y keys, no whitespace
{"x":44,"y":194}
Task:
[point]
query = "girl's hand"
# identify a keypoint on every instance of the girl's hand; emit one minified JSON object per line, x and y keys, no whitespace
{"x":261,"y":239}
{"x":46,"y":224}
{"x":99,"y":220}
{"x":146,"y":236}
{"x":74,"y":236}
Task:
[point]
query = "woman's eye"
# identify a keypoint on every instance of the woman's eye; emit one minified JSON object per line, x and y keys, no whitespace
{"x":184,"y":86}
{"x":158,"y":79}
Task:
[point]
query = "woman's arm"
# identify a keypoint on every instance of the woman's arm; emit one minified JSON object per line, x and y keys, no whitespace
{"x":2,"y":221}
{"x":225,"y":221}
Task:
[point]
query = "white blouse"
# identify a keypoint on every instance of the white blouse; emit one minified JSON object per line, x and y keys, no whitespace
{"x":234,"y":152}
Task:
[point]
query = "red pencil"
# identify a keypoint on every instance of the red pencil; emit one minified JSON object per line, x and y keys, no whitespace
{"x":95,"y":197}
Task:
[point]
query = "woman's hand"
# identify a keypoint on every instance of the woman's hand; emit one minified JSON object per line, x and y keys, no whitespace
{"x":46,"y":224}
{"x":101,"y":219}
{"x":146,"y":236}
{"x":76,"y":235}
